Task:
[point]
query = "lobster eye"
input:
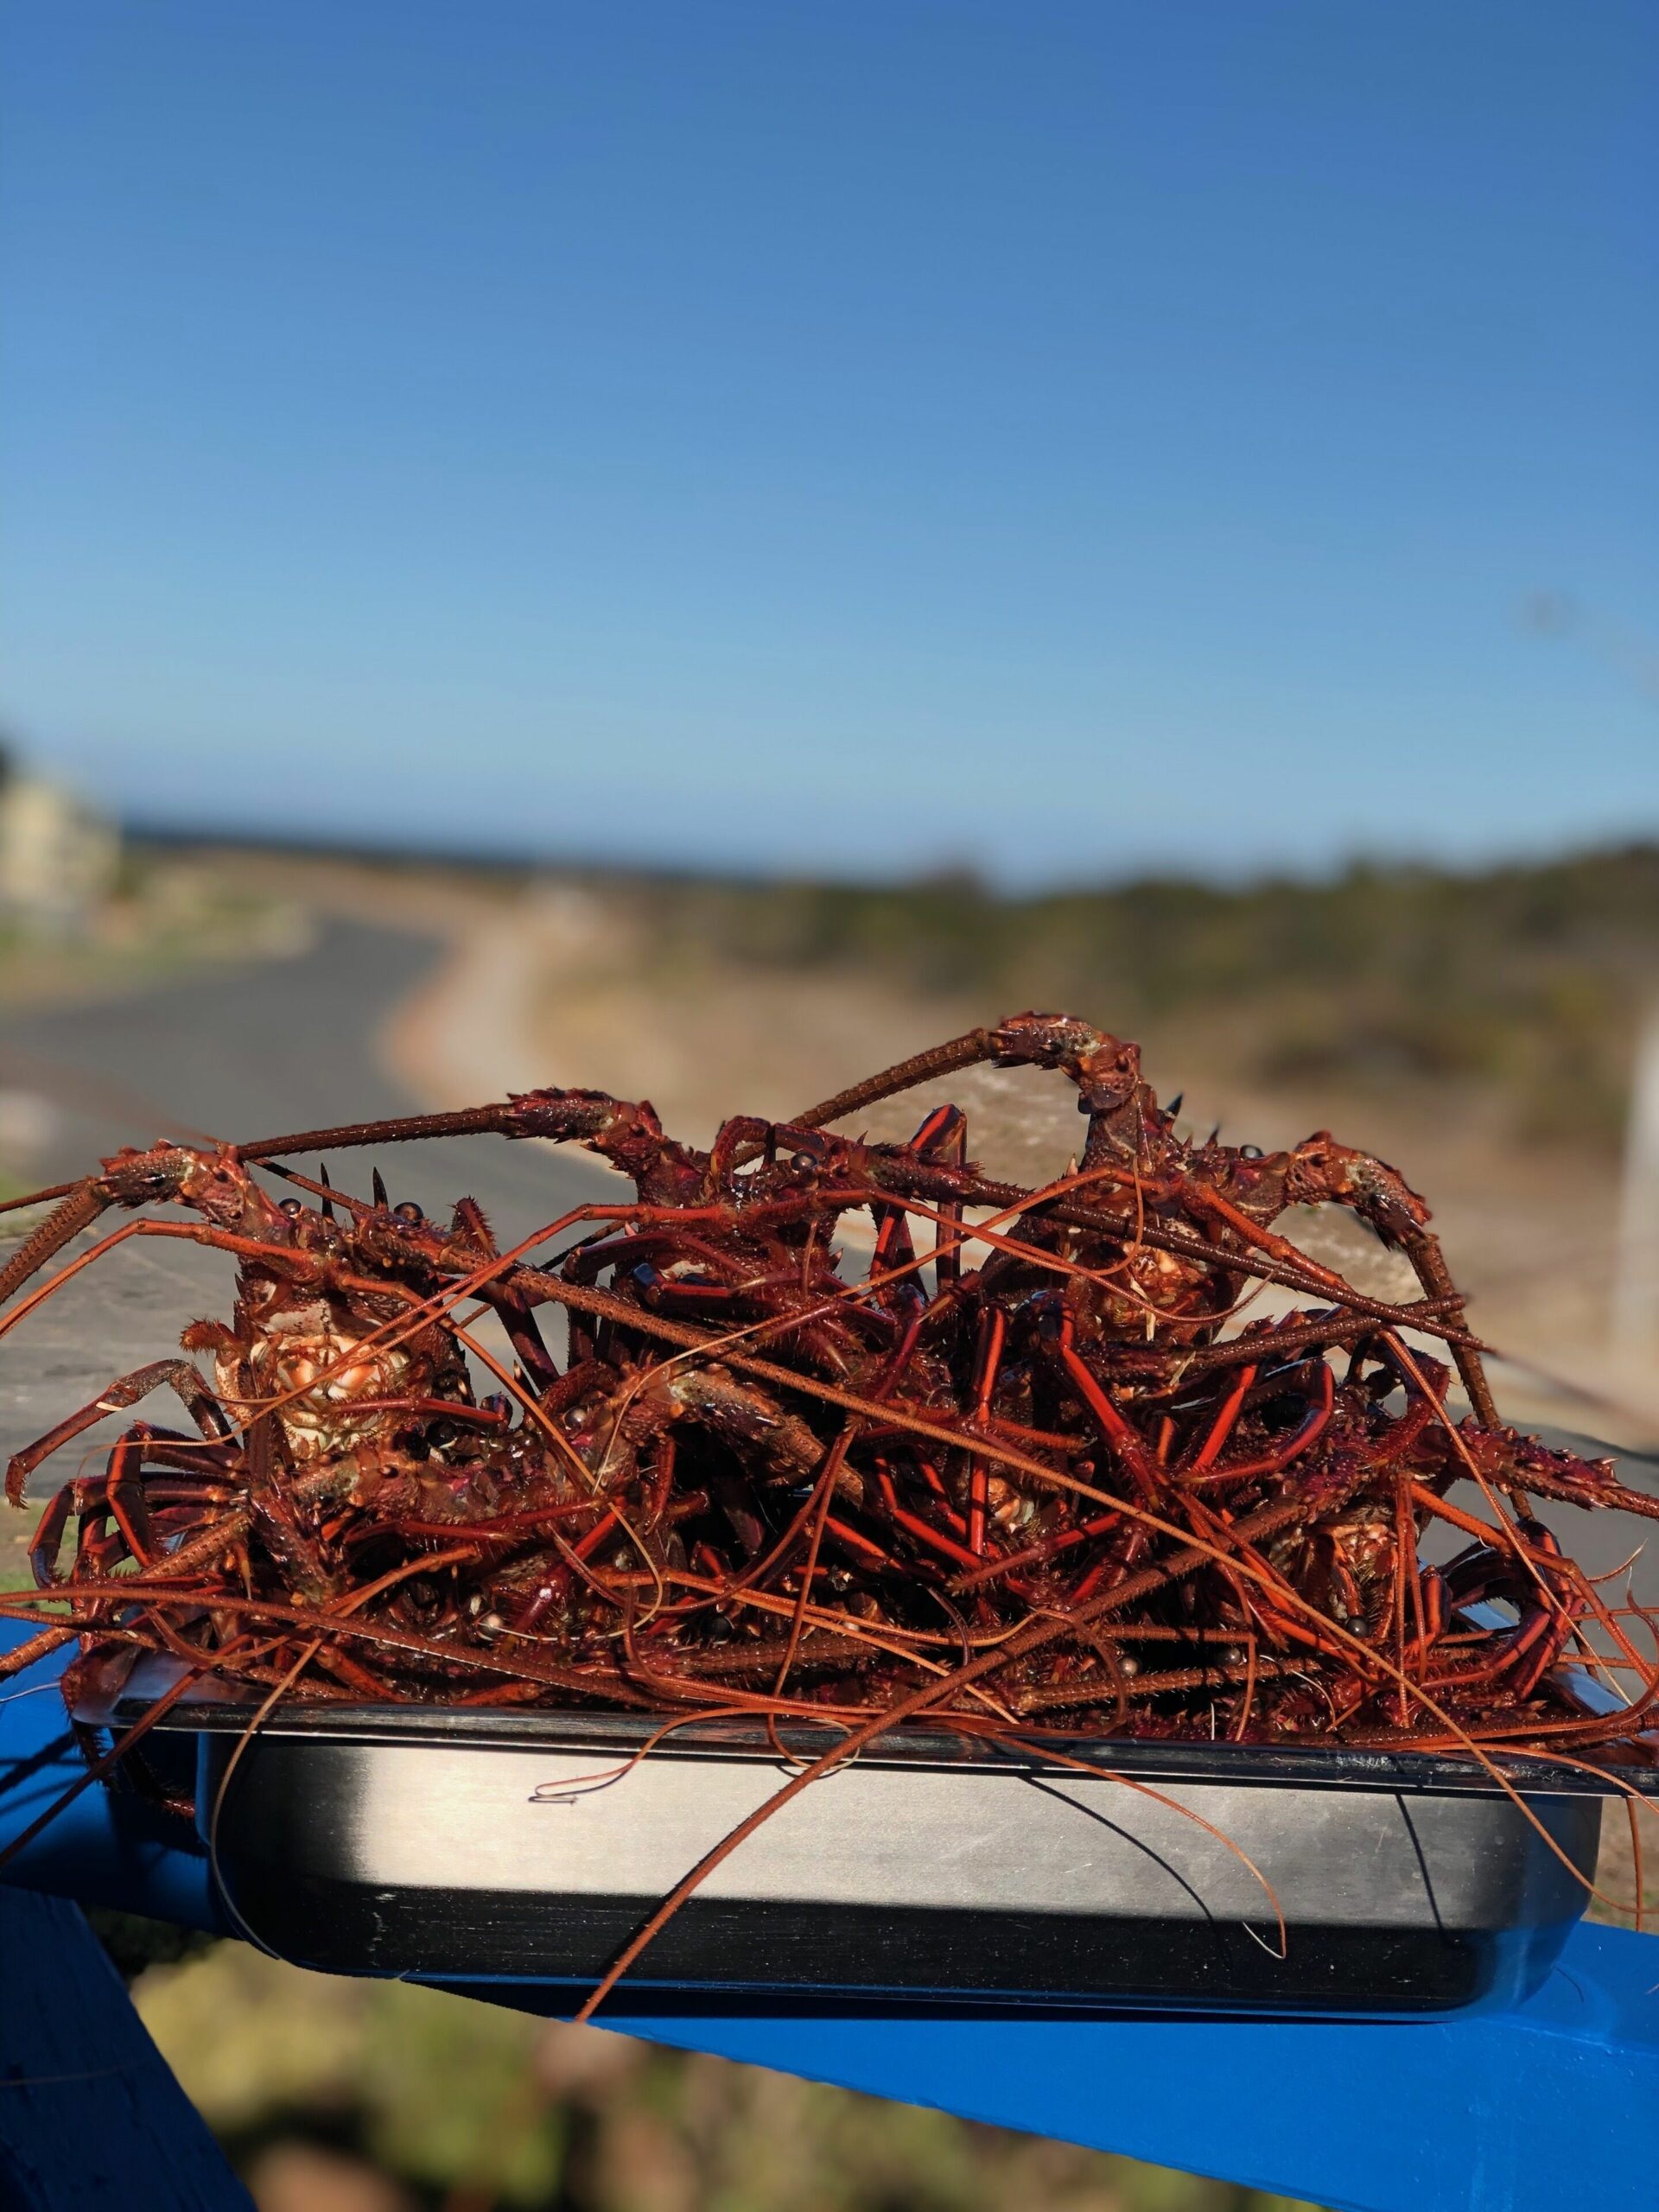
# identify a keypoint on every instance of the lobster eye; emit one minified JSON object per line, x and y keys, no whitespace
{"x":292,"y":1208}
{"x":406,"y":1210}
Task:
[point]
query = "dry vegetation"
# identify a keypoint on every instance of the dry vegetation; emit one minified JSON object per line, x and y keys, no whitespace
{"x":350,"y":2096}
{"x":1515,"y":986}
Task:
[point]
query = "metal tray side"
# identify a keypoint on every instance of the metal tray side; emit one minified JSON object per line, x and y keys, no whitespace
{"x":448,"y":1860}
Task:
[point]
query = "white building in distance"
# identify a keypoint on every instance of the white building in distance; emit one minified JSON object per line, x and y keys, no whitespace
{"x":58,"y":857}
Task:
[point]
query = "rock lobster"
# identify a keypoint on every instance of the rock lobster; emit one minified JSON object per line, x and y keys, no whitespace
{"x":1074,"y":1487}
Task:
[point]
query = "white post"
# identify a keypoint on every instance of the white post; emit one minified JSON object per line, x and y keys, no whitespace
{"x":1636,"y":1281}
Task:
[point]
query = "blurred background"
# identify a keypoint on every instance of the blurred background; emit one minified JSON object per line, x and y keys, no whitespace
{"x":697,"y":550}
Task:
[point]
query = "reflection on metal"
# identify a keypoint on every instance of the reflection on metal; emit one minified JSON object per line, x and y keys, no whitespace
{"x":460,"y":1845}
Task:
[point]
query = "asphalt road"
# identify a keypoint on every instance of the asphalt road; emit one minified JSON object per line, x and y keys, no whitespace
{"x":238,"y":1052}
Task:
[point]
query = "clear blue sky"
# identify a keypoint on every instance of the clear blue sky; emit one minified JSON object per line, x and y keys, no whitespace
{"x":869,"y":432}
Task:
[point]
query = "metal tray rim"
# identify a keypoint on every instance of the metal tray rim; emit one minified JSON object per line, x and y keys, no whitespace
{"x":1316,"y":1767}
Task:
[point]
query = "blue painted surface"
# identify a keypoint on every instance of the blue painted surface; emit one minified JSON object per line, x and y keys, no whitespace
{"x":1555,"y":2102}
{"x":104,"y":1848}
{"x":90,"y":2117}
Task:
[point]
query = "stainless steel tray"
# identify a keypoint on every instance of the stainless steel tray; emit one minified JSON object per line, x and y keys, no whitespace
{"x":462,"y":1845}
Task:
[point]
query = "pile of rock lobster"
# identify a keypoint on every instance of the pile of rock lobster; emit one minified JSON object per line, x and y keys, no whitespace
{"x":1075,"y":1488}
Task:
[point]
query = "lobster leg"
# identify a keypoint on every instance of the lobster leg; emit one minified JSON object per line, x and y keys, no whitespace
{"x":1104,"y":1068}
{"x":971,"y":1050}
{"x":122,"y":1493}
{"x":1428,"y":1264}
{"x":202,"y":1406}
{"x":630,"y":1136}
{"x":523,"y":1333}
{"x":47,"y":1540}
{"x":123,"y":1488}
{"x":943,"y":1136}
{"x":1321,"y":1171}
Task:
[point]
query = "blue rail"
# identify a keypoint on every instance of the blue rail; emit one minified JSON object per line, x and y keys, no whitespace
{"x":1555,"y":2102}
